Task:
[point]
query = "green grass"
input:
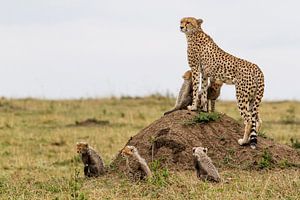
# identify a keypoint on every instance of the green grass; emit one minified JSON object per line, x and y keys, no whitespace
{"x":204,"y":117}
{"x":266,"y":160}
{"x":295,"y":143}
{"x":39,"y":161}
{"x":160,"y":175}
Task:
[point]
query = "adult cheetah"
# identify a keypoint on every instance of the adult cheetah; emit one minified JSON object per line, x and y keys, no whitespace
{"x":205,"y":57}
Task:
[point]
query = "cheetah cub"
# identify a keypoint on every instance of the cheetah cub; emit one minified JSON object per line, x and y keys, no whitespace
{"x":93,"y":164}
{"x":204,"y":166}
{"x":213,"y":93}
{"x":185,"y":96}
{"x":136,"y":165}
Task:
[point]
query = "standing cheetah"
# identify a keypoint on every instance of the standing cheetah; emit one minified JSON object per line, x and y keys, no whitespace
{"x":205,"y":57}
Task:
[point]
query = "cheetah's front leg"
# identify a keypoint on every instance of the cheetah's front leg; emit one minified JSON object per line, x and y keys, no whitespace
{"x":195,"y":83}
{"x":204,"y":86}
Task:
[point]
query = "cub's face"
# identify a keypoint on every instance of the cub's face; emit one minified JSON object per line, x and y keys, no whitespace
{"x":199,"y":150}
{"x":187,"y":75}
{"x":190,"y":24}
{"x":82,"y":147}
{"x":128,"y":151}
{"x":216,"y":86}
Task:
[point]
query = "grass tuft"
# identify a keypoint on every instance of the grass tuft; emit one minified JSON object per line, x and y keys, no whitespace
{"x":160,"y":174}
{"x":203,"y":117}
{"x":75,"y":185}
{"x":266,"y":160}
{"x":262,"y":134}
{"x":295,"y":143}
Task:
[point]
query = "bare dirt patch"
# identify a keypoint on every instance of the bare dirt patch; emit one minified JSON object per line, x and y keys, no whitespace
{"x":170,"y":139}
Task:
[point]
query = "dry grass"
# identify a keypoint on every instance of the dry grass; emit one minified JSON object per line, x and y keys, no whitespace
{"x":38,"y":158}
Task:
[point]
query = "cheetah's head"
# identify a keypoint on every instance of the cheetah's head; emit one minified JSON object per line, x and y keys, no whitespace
{"x":128,"y":151}
{"x":199,"y":150}
{"x":190,"y":24}
{"x":82,"y":147}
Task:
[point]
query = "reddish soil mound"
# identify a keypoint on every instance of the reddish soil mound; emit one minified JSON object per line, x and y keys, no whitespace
{"x":170,"y":139}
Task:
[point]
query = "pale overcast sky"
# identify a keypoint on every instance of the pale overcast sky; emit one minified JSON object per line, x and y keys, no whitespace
{"x":76,"y":48}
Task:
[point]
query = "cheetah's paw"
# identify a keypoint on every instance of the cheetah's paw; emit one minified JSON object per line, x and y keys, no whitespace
{"x":192,"y":108}
{"x":241,"y":142}
{"x":204,"y":109}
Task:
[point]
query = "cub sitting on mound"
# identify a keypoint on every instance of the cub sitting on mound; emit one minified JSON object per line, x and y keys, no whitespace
{"x":93,"y":164}
{"x":185,"y":94}
{"x":204,"y":166}
{"x":136,"y":165}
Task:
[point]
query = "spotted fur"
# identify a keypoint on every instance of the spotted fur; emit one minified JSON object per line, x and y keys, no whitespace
{"x":185,"y":98}
{"x":209,"y":60}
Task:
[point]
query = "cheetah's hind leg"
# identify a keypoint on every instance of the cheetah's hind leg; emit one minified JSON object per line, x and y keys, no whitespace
{"x":244,"y":108}
{"x":258,"y":122}
{"x":245,"y":139}
{"x":255,"y":123}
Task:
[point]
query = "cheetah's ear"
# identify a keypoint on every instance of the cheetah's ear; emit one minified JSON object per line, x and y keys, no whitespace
{"x":205,"y":150}
{"x":199,"y":22}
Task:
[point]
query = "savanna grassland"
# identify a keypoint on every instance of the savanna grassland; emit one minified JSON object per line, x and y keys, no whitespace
{"x":39,"y":161}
